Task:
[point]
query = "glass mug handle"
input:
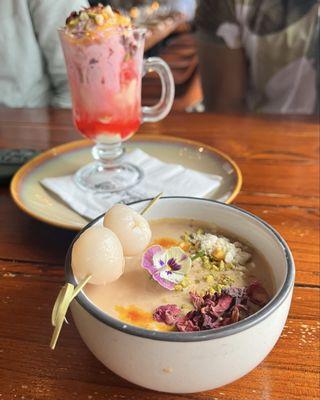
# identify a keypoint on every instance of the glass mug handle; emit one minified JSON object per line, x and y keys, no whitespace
{"x":163,"y":107}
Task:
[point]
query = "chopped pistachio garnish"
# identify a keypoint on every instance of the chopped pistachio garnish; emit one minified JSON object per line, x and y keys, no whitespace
{"x":221,"y":265}
{"x":226,"y":280}
{"x":90,"y":20}
{"x":99,"y":19}
{"x":83,"y":16}
{"x":185,"y":237}
{"x":229,"y":266}
{"x":210,"y":279}
{"x":216,"y":288}
{"x":206,"y":262}
{"x":185,"y":282}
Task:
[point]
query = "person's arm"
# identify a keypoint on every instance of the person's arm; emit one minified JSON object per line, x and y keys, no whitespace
{"x":223,"y":74}
{"x":222,"y":61}
{"x":47,"y":17}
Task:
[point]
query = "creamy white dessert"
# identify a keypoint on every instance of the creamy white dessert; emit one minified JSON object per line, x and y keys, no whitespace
{"x":188,"y":264}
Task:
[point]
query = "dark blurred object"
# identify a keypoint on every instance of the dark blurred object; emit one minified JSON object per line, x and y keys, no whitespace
{"x":96,"y":2}
{"x":121,"y":4}
{"x":181,"y":55}
{"x":259,"y":57}
{"x":11,"y":160}
{"x":161,"y":28}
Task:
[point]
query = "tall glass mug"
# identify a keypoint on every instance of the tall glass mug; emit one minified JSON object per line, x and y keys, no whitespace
{"x":105,"y":80}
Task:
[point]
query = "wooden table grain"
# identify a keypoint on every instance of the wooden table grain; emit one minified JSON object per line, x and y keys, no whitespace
{"x":279,"y":158}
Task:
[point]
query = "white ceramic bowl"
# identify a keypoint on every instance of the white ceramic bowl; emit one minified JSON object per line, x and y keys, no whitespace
{"x":191,"y":362}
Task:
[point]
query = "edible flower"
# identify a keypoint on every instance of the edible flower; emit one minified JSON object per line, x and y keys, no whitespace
{"x":166,"y":266}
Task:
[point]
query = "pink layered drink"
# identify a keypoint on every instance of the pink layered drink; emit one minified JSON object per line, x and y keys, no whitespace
{"x":104,"y":58}
{"x":104,"y":62}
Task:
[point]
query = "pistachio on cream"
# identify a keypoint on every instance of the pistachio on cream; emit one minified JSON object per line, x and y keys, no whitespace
{"x":89,"y":21}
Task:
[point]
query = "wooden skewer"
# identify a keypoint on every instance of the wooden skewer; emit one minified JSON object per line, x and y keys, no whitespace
{"x":59,"y":311}
{"x":151,"y":203}
{"x":80,"y":286}
{"x":62,"y":294}
{"x":68,"y":292}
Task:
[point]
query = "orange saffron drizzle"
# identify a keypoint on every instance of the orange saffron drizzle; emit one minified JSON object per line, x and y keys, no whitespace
{"x":165,"y":242}
{"x":136,"y":316}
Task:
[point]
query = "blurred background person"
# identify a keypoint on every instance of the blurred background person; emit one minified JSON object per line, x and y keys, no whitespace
{"x":186,"y":7}
{"x":259,"y":55}
{"x":32,"y":69}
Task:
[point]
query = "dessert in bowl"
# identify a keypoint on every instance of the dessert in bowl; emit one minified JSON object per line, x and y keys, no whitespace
{"x":217,"y":316}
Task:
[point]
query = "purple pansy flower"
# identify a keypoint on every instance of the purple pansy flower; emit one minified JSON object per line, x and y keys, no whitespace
{"x":167,"y":267}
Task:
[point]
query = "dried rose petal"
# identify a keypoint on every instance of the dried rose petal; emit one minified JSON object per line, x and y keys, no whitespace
{"x":213,"y":311}
{"x":223,"y":303}
{"x":186,"y":325}
{"x":196,"y":300}
{"x":257,"y":294}
{"x":209,"y":322}
{"x":235,"y":315}
{"x":168,"y":314}
{"x":239,"y":293}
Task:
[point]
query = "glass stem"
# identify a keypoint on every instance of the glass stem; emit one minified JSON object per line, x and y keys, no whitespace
{"x":108,"y":154}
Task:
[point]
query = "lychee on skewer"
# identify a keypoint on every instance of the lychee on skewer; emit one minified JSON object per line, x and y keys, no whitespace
{"x":98,"y":253}
{"x":132,"y":229}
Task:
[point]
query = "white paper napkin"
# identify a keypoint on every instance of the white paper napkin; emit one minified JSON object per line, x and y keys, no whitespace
{"x":171,"y":179}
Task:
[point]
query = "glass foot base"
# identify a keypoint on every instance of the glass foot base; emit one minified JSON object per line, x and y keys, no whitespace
{"x":98,"y":178}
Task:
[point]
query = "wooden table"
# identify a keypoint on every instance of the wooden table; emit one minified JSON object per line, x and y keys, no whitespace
{"x":279,"y":161}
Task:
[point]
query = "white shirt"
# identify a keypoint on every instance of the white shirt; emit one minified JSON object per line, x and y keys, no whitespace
{"x":32,"y":69}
